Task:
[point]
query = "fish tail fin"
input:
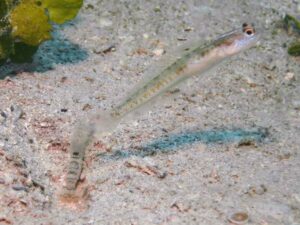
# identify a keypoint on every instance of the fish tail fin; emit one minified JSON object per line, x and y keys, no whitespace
{"x":80,"y":139}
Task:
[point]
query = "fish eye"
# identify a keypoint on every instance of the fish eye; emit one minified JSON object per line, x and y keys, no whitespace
{"x":248,"y":29}
{"x":249,"y":32}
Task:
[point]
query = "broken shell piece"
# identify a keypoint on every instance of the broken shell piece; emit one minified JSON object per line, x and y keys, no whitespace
{"x":158,"y":51}
{"x":289,"y":76}
{"x":238,"y":218}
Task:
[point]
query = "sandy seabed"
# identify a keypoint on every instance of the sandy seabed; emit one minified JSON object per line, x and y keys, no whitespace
{"x":225,"y":142}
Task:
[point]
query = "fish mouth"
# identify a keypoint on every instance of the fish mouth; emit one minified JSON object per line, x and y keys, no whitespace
{"x":258,"y":33}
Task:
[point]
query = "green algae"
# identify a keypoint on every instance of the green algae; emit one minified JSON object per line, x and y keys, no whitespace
{"x":292,"y":26}
{"x":61,"y":11}
{"x":30,"y":24}
{"x":26,"y":24}
{"x":294,"y":49}
{"x":6,"y":44}
{"x":291,"y":23}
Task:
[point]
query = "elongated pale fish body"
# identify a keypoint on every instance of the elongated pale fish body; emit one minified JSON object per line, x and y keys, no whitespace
{"x":194,"y":60}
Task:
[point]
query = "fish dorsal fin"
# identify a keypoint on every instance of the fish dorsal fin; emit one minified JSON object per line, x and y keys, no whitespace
{"x":160,"y":64}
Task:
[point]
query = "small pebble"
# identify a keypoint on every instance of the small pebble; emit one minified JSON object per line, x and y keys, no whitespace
{"x":28,"y":182}
{"x":104,"y":22}
{"x":261,"y":189}
{"x":157,"y":9}
{"x":17,"y":112}
{"x":2,"y":181}
{"x":3,"y":114}
{"x":296,"y":104}
{"x":158,"y":51}
{"x":246,"y":141}
{"x":188,"y":29}
{"x":23,"y":172}
{"x":238,"y":218}
{"x":18,"y":187}
{"x":145,"y":36}
{"x":250,"y":82}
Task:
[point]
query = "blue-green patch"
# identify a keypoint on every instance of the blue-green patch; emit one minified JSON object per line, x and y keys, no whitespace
{"x":59,"y":50}
{"x":176,"y":142}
